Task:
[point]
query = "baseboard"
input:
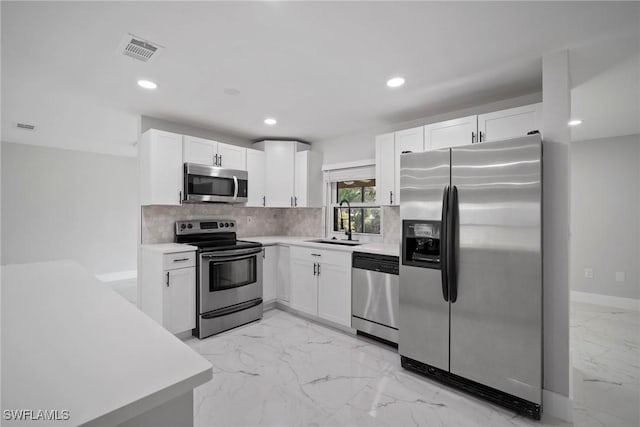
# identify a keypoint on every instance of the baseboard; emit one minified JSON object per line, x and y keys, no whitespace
{"x":117,"y":276}
{"x":606,"y":300}
{"x":557,"y":405}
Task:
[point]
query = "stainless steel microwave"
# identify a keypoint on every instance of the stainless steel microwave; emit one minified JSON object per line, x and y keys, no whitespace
{"x":204,"y":183}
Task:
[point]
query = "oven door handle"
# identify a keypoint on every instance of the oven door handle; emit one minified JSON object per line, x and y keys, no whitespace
{"x":236,"y":253}
{"x":235,"y":187}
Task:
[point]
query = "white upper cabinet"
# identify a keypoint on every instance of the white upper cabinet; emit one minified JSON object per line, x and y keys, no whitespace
{"x":280,"y":159}
{"x":199,"y":150}
{"x":451,"y":133}
{"x":161,"y":172}
{"x":213,"y":153}
{"x":408,"y":140}
{"x":385,"y":169}
{"x":256,"y":175}
{"x":232,"y":156}
{"x":308,"y":180}
{"x":509,"y":123}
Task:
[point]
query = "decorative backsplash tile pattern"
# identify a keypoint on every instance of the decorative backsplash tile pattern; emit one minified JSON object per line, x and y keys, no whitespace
{"x":391,"y":225}
{"x":158,"y":222}
{"x":302,"y":222}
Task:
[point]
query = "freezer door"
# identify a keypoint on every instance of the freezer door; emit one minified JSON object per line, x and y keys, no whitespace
{"x":424,"y":313}
{"x":496,"y":308}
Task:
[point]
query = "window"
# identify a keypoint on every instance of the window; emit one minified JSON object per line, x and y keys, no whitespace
{"x":365,"y":215}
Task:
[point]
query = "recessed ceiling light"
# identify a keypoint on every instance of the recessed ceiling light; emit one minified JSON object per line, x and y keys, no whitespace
{"x":147,"y":84}
{"x":575,"y":122}
{"x":270,"y":121}
{"x":395,"y":82}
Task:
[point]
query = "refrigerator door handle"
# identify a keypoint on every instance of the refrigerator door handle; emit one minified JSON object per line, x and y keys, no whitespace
{"x":443,"y":244}
{"x":454,"y":226}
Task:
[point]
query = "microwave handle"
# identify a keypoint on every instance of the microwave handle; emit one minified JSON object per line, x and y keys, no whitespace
{"x":235,"y":187}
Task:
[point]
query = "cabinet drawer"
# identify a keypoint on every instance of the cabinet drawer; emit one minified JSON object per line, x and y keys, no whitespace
{"x":179,"y":260}
{"x":322,"y":256}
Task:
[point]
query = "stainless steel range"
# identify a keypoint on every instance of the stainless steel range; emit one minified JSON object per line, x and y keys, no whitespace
{"x":229,"y":275}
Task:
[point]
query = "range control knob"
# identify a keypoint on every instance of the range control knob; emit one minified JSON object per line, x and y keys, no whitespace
{"x":182,"y":226}
{"x":221,"y":224}
{"x":226,"y":224}
{"x":231,"y":224}
{"x":190,"y":226}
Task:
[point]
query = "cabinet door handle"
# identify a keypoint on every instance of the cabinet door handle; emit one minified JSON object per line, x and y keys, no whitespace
{"x":316,"y":254}
{"x":318,"y":269}
{"x":264,"y":200}
{"x":215,"y":160}
{"x":473,"y":137}
{"x":180,"y":197}
{"x":220,"y":159}
{"x":390,"y":197}
{"x":167,"y":279}
{"x":181,"y":260}
{"x":291,"y":201}
{"x":263,"y":253}
{"x":295,"y":201}
{"x":314,"y":268}
{"x":480,"y":136}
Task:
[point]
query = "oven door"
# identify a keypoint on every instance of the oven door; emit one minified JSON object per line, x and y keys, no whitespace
{"x":204,"y":183}
{"x":229,"y":277}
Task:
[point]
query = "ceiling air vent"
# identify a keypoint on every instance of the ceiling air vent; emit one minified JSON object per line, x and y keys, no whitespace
{"x":138,"y":48}
{"x":25,"y":126}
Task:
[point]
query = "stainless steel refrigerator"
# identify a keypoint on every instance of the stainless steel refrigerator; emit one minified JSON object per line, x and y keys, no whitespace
{"x":471,"y":269}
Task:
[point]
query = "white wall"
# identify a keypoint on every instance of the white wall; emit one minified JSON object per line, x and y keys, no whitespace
{"x":605,"y":215}
{"x":361,"y":145}
{"x":147,"y":123}
{"x":64,"y":204}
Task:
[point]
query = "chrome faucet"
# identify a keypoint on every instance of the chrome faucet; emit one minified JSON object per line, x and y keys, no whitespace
{"x":348,"y":232}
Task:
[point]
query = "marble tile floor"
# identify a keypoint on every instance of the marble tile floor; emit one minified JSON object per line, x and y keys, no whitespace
{"x":128,"y":289}
{"x":285,"y":370}
{"x":605,"y":348}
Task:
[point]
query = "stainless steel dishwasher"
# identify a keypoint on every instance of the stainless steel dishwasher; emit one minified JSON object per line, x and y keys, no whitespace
{"x":375,"y":295}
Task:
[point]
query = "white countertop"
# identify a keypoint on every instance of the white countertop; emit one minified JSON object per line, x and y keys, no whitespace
{"x":376,"y":248}
{"x":70,"y":342}
{"x":170,"y":248}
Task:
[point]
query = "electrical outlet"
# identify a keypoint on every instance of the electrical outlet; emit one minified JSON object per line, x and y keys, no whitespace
{"x":588,"y":273}
{"x":619,"y":276}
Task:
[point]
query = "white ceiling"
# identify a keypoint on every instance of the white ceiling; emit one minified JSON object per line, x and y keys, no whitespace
{"x":605,"y":77}
{"x":318,"y":67}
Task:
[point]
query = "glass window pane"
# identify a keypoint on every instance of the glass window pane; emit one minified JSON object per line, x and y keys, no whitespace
{"x":356,"y":220}
{"x":369,"y":194}
{"x":372,"y":220}
{"x":350,"y":194}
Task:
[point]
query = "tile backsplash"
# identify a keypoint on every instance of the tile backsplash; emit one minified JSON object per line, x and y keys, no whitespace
{"x":391,"y":229}
{"x":158,"y":222}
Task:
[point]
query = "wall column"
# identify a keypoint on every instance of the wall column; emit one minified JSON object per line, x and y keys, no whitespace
{"x":556,"y":99}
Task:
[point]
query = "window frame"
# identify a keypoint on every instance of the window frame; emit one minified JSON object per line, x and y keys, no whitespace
{"x":333,"y":194}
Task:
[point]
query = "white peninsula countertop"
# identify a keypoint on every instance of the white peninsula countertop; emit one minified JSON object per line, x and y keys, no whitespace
{"x":375,"y":248}
{"x":71,"y":343}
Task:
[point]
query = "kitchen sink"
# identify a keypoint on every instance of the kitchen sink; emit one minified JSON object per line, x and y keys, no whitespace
{"x":335,"y":242}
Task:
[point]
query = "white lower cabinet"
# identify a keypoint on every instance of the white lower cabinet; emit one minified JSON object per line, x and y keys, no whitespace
{"x":304,"y":292}
{"x":334,"y":293}
{"x":167,"y":284}
{"x":321,"y":284}
{"x":179,"y":301}
{"x":269,"y":272}
{"x":283,"y":284}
